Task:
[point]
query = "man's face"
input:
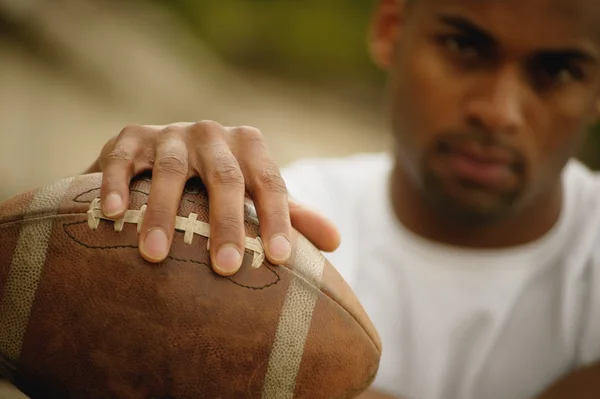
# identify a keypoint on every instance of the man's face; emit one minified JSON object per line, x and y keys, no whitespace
{"x":490,"y":98}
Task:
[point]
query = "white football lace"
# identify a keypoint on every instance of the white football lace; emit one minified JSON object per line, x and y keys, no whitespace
{"x":189,"y":225}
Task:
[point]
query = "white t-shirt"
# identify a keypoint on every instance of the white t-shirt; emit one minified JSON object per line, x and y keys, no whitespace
{"x":457,"y":323}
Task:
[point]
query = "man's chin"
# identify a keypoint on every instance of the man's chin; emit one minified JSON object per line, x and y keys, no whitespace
{"x":472,"y":206}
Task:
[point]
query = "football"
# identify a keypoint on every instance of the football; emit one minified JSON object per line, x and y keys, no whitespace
{"x":83,"y":315}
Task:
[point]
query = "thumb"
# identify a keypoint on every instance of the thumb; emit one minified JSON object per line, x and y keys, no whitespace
{"x":315,"y":227}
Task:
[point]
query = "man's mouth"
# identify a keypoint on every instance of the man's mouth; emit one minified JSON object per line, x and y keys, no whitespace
{"x":477,"y":163}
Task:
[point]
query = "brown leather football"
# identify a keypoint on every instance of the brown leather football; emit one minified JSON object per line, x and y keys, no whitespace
{"x":82,"y":315}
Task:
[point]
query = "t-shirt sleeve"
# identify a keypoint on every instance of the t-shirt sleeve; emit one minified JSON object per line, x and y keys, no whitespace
{"x":306,"y":183}
{"x":589,"y":344}
{"x":589,"y":341}
{"x":335,"y":188}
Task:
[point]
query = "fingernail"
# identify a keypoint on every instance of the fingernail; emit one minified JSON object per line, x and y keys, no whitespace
{"x":228,"y":259}
{"x":279,"y":248}
{"x":113,"y":205}
{"x":156,"y":245}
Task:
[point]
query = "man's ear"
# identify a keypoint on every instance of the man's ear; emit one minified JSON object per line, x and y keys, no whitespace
{"x":386,"y":26}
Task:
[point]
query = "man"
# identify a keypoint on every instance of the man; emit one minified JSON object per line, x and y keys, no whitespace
{"x":475,"y":244}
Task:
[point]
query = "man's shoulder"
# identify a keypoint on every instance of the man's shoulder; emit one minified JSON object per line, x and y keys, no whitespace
{"x":575,"y":169}
{"x":581,"y":222}
{"x":342,"y":189}
{"x":316,"y":179}
{"x":582,"y":189}
{"x":349,"y":166}
{"x":582,"y":254}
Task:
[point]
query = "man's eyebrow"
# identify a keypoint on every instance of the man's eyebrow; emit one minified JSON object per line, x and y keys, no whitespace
{"x":582,"y":54}
{"x":466,"y":26}
{"x":586,"y":52}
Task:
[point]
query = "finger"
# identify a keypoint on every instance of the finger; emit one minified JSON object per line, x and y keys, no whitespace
{"x":319,"y":230}
{"x":169,"y":175}
{"x":221,"y":173}
{"x":117,"y":162}
{"x":267,"y":189}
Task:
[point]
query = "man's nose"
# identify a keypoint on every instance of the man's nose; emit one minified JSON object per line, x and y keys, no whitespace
{"x":497,"y":104}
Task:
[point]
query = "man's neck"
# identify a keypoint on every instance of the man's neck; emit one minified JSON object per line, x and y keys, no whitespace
{"x":530,"y":224}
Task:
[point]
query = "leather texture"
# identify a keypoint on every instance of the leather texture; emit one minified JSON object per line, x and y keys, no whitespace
{"x":82,"y":315}
{"x":583,"y":383}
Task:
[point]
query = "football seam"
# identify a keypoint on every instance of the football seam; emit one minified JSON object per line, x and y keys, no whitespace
{"x":197,"y":262}
{"x":190,"y":225}
{"x":133,"y":190}
{"x":38,"y":218}
{"x":129,"y":246}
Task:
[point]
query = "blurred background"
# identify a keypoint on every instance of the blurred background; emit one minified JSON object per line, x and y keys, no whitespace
{"x":73,"y":73}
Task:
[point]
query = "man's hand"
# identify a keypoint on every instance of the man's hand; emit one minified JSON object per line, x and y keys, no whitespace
{"x":231,"y":162}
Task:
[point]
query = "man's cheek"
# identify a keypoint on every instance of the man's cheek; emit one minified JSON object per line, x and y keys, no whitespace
{"x":556,"y":151}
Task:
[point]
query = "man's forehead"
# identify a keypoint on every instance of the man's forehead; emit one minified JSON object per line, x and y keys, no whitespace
{"x":548,"y":19}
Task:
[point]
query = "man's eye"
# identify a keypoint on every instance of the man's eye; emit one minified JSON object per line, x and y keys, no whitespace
{"x":461,"y":45}
{"x":556,"y":72}
{"x":563,"y":74}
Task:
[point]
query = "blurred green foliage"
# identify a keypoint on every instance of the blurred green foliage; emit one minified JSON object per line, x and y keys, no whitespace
{"x":314,"y":42}
{"x":317,"y":42}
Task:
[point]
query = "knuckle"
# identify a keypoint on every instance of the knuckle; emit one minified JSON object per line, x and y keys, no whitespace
{"x":248,"y":133}
{"x":205,"y":128}
{"x":172,"y":163}
{"x":270,"y":179}
{"x":172,"y":155}
{"x":132,"y":130}
{"x":209,"y":124}
{"x":125,"y":146}
{"x":228,"y":174}
{"x":169,"y":133}
{"x":120,"y":154}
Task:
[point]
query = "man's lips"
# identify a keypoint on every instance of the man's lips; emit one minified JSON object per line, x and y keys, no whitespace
{"x":479,"y":152}
{"x":480,"y":164}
